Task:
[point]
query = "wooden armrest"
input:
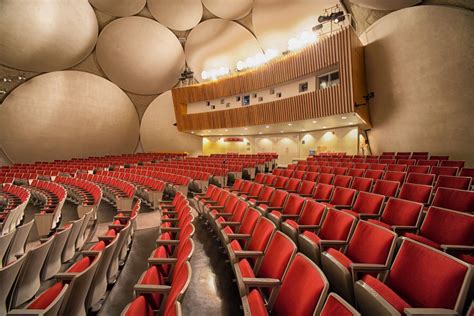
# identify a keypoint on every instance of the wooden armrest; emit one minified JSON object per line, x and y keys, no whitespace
{"x":457,"y":248}
{"x":429,"y":311}
{"x":308,"y":227}
{"x":345,"y":207}
{"x":371,"y":216}
{"x":170,"y":229}
{"x":160,"y":261}
{"x":148,"y":288}
{"x":224,"y":214}
{"x":248,"y":254}
{"x":125,"y":211}
{"x":106,"y":238}
{"x":216,"y":207}
{"x":169,"y":213}
{"x":90,"y":253}
{"x":223,"y":224}
{"x":65,"y":276}
{"x":43,"y":240}
{"x":25,"y":311}
{"x":117,"y":226}
{"x":403,"y":229}
{"x":239,"y":236}
{"x":169,"y":220}
{"x":165,"y":242}
{"x":285,"y":216}
{"x":260,"y":282}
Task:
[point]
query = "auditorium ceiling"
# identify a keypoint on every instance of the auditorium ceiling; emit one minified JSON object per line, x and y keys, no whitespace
{"x":142,"y":46}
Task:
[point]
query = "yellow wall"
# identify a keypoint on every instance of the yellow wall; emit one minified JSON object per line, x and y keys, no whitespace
{"x":288,"y":146}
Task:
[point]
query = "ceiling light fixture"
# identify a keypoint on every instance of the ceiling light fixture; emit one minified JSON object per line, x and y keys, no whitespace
{"x":289,"y":124}
{"x":344,"y":117}
{"x":267,"y":126}
{"x":314,"y":122}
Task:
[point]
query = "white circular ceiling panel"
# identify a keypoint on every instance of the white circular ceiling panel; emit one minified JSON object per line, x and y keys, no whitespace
{"x":140,"y":55}
{"x":46,"y":35}
{"x":219,"y":43}
{"x":65,"y":114}
{"x":119,"y":8}
{"x":276,"y":21}
{"x":229,"y":10}
{"x":178,"y":15}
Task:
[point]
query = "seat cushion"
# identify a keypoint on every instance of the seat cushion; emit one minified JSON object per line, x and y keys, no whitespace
{"x":99,"y":246}
{"x":256,"y":304}
{"x":47,"y":297}
{"x":292,"y":223}
{"x":139,"y":306}
{"x":111,"y":233}
{"x":234,"y":244}
{"x":246,"y":269}
{"x":333,"y":307}
{"x":312,"y":236}
{"x":160,"y":253}
{"x":340,"y":257}
{"x":277,"y":214}
{"x":80,"y":265}
{"x":153,"y":277}
{"x":386,"y":293}
{"x":423,"y":240}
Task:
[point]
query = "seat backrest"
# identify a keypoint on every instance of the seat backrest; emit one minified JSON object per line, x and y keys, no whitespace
{"x":239,"y":211}
{"x":303,"y":289}
{"x":249,"y":221}
{"x":5,"y":241}
{"x":280,"y":182}
{"x":418,"y":169}
{"x":269,"y":179}
{"x":313,"y":213}
{"x":398,"y":176}
{"x":245,"y":187}
{"x":223,"y":196}
{"x":292,"y":184}
{"x":467,"y":172}
{"x":337,"y":225}
{"x":453,"y":199}
{"x":255,"y":189}
{"x":259,"y":177}
{"x":231,"y":203}
{"x":416,"y":192}
{"x":368,"y":203}
{"x":371,"y":243}
{"x":342,"y":181}
{"x":343,"y":196}
{"x":448,"y":227}
{"x":299,"y":174}
{"x":311,"y":176}
{"x":179,"y":286}
{"x":454,"y":182}
{"x":362,"y":184}
{"x":398,"y":212}
{"x":294,"y":204}
{"x":453,"y":163}
{"x":374,"y":174}
{"x":430,"y":162}
{"x":326,"y":178}
{"x":421,"y":178}
{"x":278,"y":198}
{"x":277,"y":257}
{"x":52,"y":264}
{"x":323,"y":191}
{"x":139,"y":306}
{"x":266,"y":193}
{"x":17,"y":246}
{"x":287,"y":173}
{"x":8,"y":275}
{"x":446,"y":171}
{"x":261,"y":235}
{"x":237,"y":184}
{"x":428,"y":278}
{"x":397,"y":167}
{"x":386,"y":188}
{"x":306,"y":187}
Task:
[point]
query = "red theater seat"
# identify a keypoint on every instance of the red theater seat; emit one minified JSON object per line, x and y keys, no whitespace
{"x":458,"y":200}
{"x":337,"y":306}
{"x":420,"y":277}
{"x":400,"y":215}
{"x":367,"y":205}
{"x":310,"y":219}
{"x":362,"y":184}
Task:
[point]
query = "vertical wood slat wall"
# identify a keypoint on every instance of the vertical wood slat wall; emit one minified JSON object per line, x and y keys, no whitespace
{"x":333,"y":51}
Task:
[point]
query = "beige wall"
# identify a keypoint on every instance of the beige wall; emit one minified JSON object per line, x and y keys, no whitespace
{"x":420,"y":65}
{"x":157,"y":132}
{"x":289,"y":146}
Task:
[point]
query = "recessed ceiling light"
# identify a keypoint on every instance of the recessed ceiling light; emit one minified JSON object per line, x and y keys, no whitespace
{"x":350,"y":123}
{"x":260,"y":133}
{"x":281,"y":131}
{"x":314,"y":122}
{"x":226,"y":130}
{"x":220,"y":134}
{"x":209,"y":131}
{"x":241,"y":134}
{"x":303,"y":130}
{"x":344,"y":117}
{"x":192,"y":132}
{"x":246,"y":128}
{"x":325,"y":127}
{"x":267,"y":126}
{"x":289,"y":124}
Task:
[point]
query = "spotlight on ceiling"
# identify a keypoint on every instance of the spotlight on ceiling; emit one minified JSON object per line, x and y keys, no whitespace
{"x":324,"y":18}
{"x":3,"y":92}
{"x":337,"y":16}
{"x":317,"y":27}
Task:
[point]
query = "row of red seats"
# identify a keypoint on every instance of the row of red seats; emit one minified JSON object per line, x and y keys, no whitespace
{"x":15,"y":199}
{"x":116,"y":187}
{"x":161,"y":288}
{"x":206,"y":168}
{"x":266,"y":264}
{"x":459,"y":182}
{"x":81,"y":286}
{"x":140,"y":181}
{"x":84,"y":192}
{"x":337,"y":229}
{"x":154,"y":171}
